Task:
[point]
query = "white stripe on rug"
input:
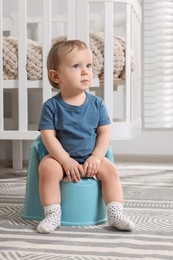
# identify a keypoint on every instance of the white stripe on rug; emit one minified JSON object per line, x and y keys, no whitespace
{"x":88,"y":249}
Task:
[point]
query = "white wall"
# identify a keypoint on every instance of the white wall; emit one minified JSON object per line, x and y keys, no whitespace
{"x":156,"y":143}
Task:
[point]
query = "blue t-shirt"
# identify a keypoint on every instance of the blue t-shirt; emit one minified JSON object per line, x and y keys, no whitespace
{"x":75,"y":125}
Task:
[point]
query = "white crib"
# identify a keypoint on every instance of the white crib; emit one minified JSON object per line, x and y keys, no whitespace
{"x":18,"y":121}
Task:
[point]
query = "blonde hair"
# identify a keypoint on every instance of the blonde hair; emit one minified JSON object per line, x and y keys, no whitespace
{"x":58,"y":51}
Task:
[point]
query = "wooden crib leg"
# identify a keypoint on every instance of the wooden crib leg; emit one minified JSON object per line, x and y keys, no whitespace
{"x":17,"y":154}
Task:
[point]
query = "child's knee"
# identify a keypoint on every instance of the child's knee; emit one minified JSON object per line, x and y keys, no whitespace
{"x":107,"y":169}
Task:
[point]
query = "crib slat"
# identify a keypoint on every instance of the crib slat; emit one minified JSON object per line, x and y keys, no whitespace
{"x":18,"y":136}
{"x":46,"y":46}
{"x":1,"y":69}
{"x":128,"y":63}
{"x":71,"y":19}
{"x":22,"y":74}
{"x":136,"y":100}
{"x":139,"y":68}
{"x":108,"y":58}
{"x":22,"y":82}
{"x":82,"y":30}
{"x":17,"y":152}
{"x":133,"y":78}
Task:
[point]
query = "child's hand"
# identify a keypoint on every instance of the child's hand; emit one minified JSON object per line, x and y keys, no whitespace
{"x":73,"y":169}
{"x":91,"y":166}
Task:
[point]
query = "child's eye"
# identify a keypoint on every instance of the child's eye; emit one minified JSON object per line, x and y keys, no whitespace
{"x":89,"y":66}
{"x":75,"y":66}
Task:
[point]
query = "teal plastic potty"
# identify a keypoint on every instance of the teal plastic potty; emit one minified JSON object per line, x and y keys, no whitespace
{"x":81,"y":202}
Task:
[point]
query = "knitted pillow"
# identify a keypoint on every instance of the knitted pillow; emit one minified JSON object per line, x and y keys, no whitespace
{"x":34,"y":57}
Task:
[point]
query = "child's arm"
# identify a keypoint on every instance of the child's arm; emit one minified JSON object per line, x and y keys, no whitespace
{"x":103,"y":141}
{"x":71,"y":167}
{"x":92,"y":164}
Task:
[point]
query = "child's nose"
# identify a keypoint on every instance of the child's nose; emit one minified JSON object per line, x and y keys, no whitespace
{"x":84,"y":71}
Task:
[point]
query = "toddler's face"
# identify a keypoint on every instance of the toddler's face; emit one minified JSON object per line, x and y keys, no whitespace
{"x":75,"y":70}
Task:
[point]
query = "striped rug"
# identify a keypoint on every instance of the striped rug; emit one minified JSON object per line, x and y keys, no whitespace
{"x":148,"y":201}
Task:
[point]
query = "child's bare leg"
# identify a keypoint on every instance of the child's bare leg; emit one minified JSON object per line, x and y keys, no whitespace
{"x":111,"y":186}
{"x":50,"y":175}
{"x":113,"y":196}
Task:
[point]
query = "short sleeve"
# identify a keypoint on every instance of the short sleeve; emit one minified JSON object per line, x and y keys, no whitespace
{"x":104,"y":118}
{"x":47,"y":117}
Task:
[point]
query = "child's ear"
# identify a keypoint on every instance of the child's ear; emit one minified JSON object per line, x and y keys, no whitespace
{"x":53,"y":75}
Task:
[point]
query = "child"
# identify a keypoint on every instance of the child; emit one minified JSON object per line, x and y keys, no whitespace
{"x":75,"y":128}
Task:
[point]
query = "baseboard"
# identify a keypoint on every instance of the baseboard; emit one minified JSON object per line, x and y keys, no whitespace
{"x":144,"y":158}
{"x":4,"y":163}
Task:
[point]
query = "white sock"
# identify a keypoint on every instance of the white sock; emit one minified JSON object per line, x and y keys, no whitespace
{"x":116,"y":217}
{"x":52,"y":219}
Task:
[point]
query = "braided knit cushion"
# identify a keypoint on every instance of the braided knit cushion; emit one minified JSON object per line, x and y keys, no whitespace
{"x":34,"y":57}
{"x":10,"y":59}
